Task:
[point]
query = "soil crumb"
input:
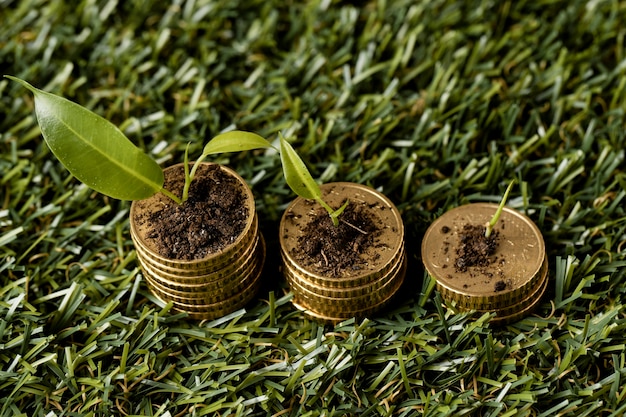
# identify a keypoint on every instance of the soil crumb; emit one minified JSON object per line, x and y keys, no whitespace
{"x":212,"y":218}
{"x":333,"y":250}
{"x":475,"y":250}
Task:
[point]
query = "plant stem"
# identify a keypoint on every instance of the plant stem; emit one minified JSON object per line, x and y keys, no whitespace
{"x":189,"y":176}
{"x":172,"y":196}
{"x":491,"y":224}
{"x":334,"y":214}
{"x":330,"y":210}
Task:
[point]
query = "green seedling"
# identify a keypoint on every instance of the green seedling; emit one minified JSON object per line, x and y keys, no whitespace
{"x":301,"y":182}
{"x":97,"y":153}
{"x":492,"y":223}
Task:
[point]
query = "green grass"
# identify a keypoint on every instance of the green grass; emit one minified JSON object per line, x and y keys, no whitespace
{"x":438,"y":103}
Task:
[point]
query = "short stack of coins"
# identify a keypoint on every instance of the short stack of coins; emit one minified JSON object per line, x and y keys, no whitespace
{"x":332,"y":299}
{"x":512,"y":286}
{"x":211,"y":287}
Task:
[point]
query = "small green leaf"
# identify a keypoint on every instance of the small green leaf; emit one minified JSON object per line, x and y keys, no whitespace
{"x":234,"y":141}
{"x":296,"y":173}
{"x":93,"y":149}
{"x":336,"y":213}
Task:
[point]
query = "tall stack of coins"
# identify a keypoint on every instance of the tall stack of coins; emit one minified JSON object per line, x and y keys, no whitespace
{"x":357,"y":293}
{"x":213,"y":286}
{"x":513,"y":279}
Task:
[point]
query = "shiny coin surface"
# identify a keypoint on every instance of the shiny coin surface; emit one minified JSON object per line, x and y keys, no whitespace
{"x":215,"y":310}
{"x":504,"y":280}
{"x":357,"y":291}
{"x":526,"y":307}
{"x":209,"y":266}
{"x":355,"y":303}
{"x":209,"y":305}
{"x":207,"y":292}
{"x":389,"y":242}
{"x":139,"y":230}
{"x":377,"y":283}
{"x":332,"y":316}
{"x":218,"y":277}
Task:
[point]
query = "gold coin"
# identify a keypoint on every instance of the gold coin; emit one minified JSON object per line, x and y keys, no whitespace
{"x":209,"y":307}
{"x":531,"y":299}
{"x":518,"y":264}
{"x":139,"y":231}
{"x":330,"y":304}
{"x":234,"y":302}
{"x":222,"y":262}
{"x":208,"y":291}
{"x":321,"y":314}
{"x":204,"y":294}
{"x":376,"y":284}
{"x":216,"y":278}
{"x":348,"y":287}
{"x":361,"y":291}
{"x":213,"y":311}
{"x":389,"y":243}
{"x":527,"y":307}
{"x":340,"y":307}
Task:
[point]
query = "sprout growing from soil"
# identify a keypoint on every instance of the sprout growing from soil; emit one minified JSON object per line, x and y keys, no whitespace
{"x":492,"y":223}
{"x":301,"y":182}
{"x":97,"y":153}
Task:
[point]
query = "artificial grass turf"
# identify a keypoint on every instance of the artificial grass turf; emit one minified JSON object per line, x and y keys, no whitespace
{"x":437,"y":103}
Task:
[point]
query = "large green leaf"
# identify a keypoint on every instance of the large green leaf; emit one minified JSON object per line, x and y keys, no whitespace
{"x":93,"y":149}
{"x":297,"y":174}
{"x":234,"y":141}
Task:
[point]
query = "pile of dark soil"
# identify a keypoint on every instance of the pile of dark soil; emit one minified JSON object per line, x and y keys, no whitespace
{"x":212,"y":218}
{"x":474,"y":248}
{"x":332,"y":250}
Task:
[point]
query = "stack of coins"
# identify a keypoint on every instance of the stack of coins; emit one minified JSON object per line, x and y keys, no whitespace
{"x":210,"y":287}
{"x":358,"y":293}
{"x":511,"y":285}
